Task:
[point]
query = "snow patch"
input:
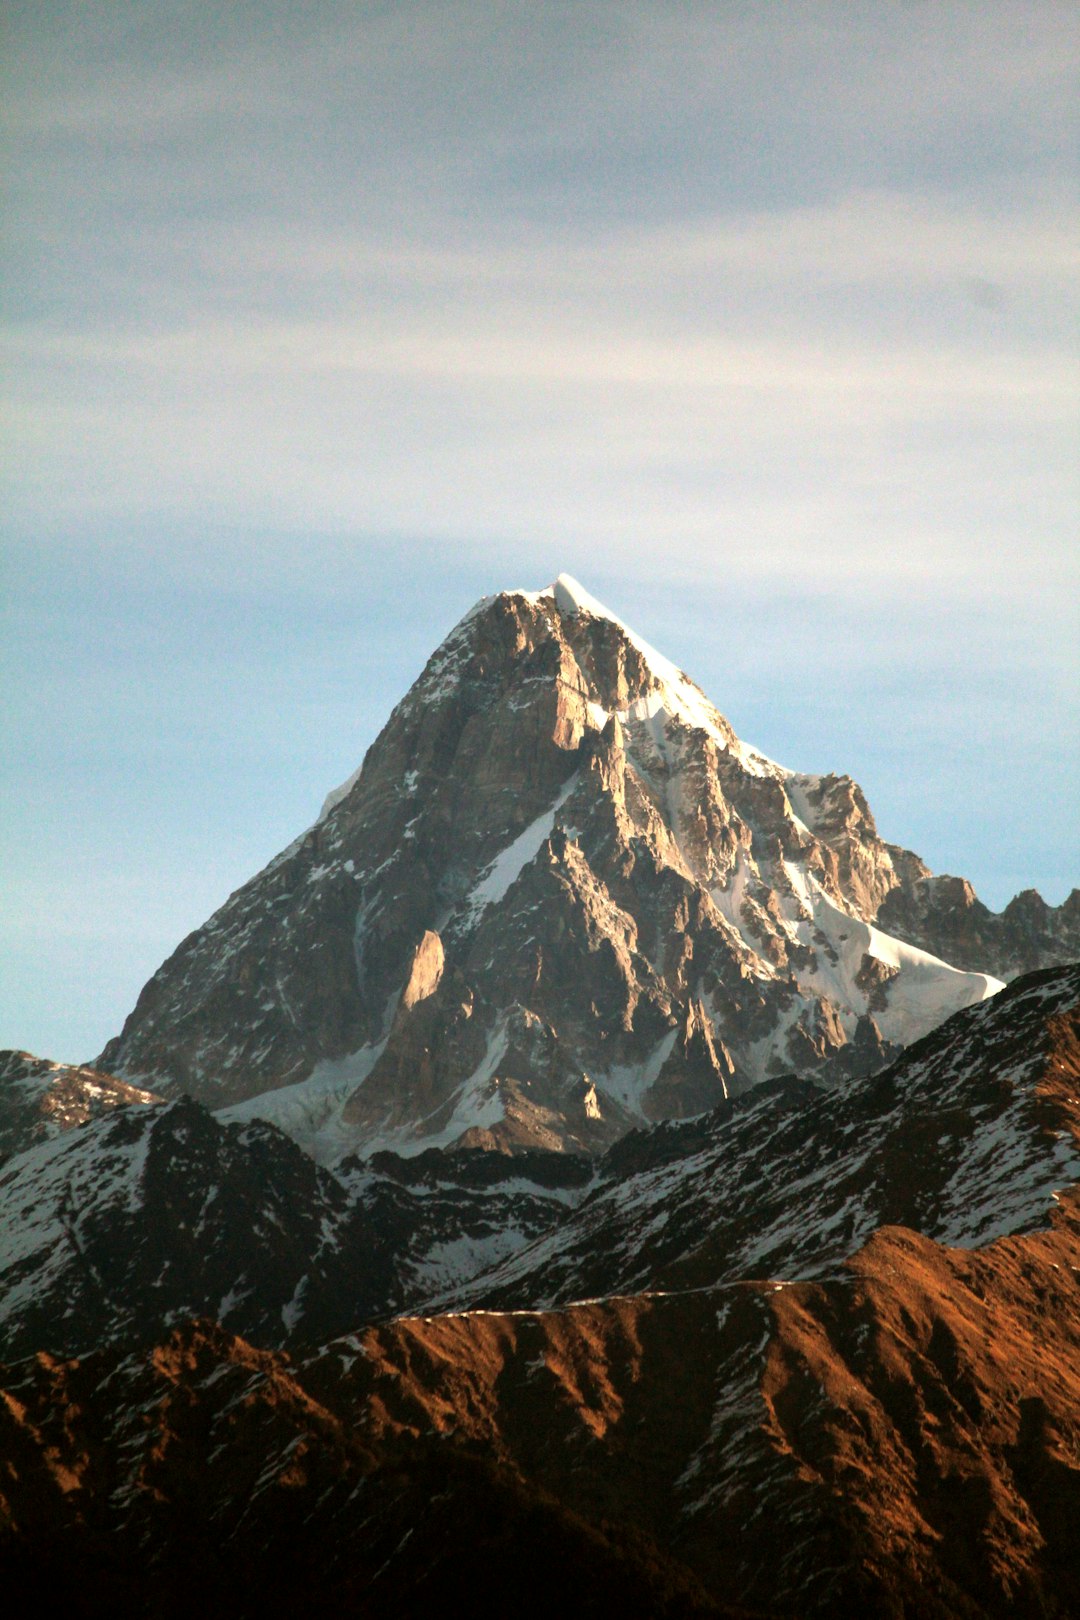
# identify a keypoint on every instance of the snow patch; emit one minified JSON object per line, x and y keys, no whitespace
{"x":335,"y":796}
{"x":512,"y":861}
{"x":627,"y":1084}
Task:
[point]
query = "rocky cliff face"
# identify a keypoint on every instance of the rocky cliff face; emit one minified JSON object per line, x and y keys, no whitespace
{"x":944,"y":915}
{"x":561,"y":898}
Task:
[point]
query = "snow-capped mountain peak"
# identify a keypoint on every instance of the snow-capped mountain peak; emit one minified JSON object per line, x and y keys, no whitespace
{"x":559,"y":897}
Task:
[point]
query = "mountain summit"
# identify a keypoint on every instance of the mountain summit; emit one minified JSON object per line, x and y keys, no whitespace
{"x":559,"y":898}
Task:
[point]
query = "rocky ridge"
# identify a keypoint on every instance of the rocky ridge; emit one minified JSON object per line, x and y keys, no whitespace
{"x":119,"y":1228}
{"x":946,"y":916}
{"x":150,"y":1215}
{"x":967,"y":1137}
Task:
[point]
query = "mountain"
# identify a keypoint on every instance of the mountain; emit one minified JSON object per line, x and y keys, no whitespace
{"x":766,"y":1304}
{"x":832,"y":1367}
{"x":559,"y":900}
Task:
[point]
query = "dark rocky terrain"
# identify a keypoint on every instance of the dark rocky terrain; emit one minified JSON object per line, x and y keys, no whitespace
{"x":132,"y":1222}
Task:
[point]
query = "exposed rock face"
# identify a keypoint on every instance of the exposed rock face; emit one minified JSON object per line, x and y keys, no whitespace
{"x":944,"y":915}
{"x":426,"y":971}
{"x":561,"y":898}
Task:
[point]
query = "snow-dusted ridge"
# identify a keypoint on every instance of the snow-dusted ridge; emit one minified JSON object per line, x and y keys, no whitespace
{"x":676,"y":695}
{"x":954,"y":1140}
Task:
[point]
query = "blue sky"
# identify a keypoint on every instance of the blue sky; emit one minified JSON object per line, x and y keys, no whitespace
{"x":320,"y":322}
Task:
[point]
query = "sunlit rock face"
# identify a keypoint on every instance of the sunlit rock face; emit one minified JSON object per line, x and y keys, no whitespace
{"x":559,"y":898}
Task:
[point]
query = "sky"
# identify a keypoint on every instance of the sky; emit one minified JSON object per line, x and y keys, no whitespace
{"x":320,"y":322}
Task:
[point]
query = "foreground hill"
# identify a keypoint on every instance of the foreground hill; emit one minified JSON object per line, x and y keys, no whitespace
{"x":832,"y":1367}
{"x":901,"y":1439}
